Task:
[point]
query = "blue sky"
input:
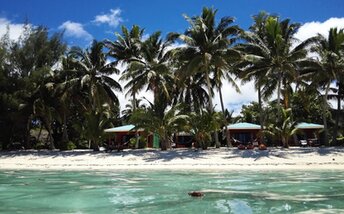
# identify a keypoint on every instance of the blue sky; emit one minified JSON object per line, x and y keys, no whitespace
{"x":156,"y":15}
{"x":84,"y":20}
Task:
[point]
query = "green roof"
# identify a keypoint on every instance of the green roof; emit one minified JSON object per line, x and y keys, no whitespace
{"x":125,"y":128}
{"x":248,"y":126}
{"x":309,"y":126}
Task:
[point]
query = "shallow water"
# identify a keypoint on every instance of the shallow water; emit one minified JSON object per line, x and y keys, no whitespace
{"x":166,"y":192}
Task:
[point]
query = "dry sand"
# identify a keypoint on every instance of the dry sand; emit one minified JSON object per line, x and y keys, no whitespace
{"x":178,"y":159}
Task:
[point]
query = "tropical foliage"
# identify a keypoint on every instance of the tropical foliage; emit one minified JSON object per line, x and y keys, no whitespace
{"x":70,"y":93}
{"x":283,"y":130}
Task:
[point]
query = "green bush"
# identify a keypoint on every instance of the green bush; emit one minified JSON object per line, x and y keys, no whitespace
{"x":70,"y":145}
{"x":40,"y":145}
{"x":132,"y":142}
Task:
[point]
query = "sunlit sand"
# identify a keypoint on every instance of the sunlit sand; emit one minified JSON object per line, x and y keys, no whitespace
{"x":177,"y":159}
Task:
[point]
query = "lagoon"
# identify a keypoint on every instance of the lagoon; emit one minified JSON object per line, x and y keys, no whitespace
{"x":166,"y":191}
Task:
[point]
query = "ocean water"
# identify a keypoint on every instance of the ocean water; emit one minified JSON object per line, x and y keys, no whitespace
{"x":166,"y":192}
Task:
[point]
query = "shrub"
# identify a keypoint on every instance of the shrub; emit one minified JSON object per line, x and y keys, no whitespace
{"x":71,"y":145}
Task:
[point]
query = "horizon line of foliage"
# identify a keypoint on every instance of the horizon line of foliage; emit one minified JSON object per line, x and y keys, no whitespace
{"x":67,"y":92}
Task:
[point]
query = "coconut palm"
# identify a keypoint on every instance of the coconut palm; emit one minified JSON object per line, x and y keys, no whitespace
{"x":131,"y":107}
{"x":153,"y":71}
{"x":207,"y":47}
{"x":191,"y":90}
{"x":202,"y":124}
{"x":220,"y":75}
{"x":285,"y":130}
{"x":93,"y":125}
{"x":66,"y":88}
{"x":173,"y":121}
{"x":91,"y":72}
{"x":330,"y":68}
{"x":250,"y":70}
{"x":271,"y":60}
{"x":125,"y":50}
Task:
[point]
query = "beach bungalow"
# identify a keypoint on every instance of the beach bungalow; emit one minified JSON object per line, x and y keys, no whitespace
{"x":243,"y":132}
{"x":183,"y":140}
{"x":121,"y":135}
{"x":309,"y":134}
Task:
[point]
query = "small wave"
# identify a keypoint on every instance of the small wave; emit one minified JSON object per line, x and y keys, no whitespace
{"x":322,"y":211}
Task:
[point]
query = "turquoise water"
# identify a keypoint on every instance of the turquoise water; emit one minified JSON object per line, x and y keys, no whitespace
{"x":166,"y":192}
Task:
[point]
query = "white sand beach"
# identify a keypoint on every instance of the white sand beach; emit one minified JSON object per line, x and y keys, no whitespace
{"x":177,"y":159}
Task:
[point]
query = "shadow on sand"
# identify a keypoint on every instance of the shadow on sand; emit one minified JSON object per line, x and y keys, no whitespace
{"x":151,"y":155}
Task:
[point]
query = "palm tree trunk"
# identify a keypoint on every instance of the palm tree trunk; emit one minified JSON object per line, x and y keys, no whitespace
{"x":28,"y":135}
{"x":286,"y":95}
{"x":210,"y":106}
{"x":324,"y":106}
{"x":164,"y":144}
{"x":136,"y":133}
{"x":65,"y":138}
{"x":94,"y":145}
{"x":229,"y":144}
{"x":285,"y":142}
{"x":279,"y":91}
{"x":40,"y":131}
{"x":261,"y":117}
{"x":134,"y":102}
{"x":221,"y":101}
{"x":52,"y":144}
{"x":335,"y":131}
{"x":279,"y":98}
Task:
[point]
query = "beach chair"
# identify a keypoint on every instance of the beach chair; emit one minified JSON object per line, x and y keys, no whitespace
{"x":250,"y":146}
{"x":313,"y":142}
{"x":303,"y":143}
{"x":235,"y":142}
{"x":262,"y":146}
{"x":241,"y":146}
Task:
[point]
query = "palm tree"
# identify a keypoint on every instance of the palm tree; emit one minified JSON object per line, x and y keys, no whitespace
{"x":153,"y":71}
{"x":207,"y":47}
{"x":285,"y":130}
{"x":190,"y":90}
{"x":93,"y":125}
{"x":203,"y":124}
{"x":271,"y":60}
{"x":173,"y":121}
{"x":43,"y":102}
{"x":91,"y":71}
{"x":125,"y":50}
{"x":219,"y":76}
{"x":338,"y":93}
{"x":131,"y":107}
{"x":330,"y":67}
{"x":250,"y":70}
{"x":66,"y":88}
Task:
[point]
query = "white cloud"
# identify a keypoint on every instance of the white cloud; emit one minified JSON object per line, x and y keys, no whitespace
{"x":113,"y":18}
{"x":145,"y":36}
{"x":75,"y":29}
{"x":14,"y":30}
{"x":310,"y":29}
{"x":123,"y":100}
{"x":233,"y":100}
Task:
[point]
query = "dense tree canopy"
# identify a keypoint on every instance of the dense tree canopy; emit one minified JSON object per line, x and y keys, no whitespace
{"x":55,"y":96}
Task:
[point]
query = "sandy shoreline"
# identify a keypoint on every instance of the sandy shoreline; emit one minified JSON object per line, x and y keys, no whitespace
{"x":178,"y":159}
